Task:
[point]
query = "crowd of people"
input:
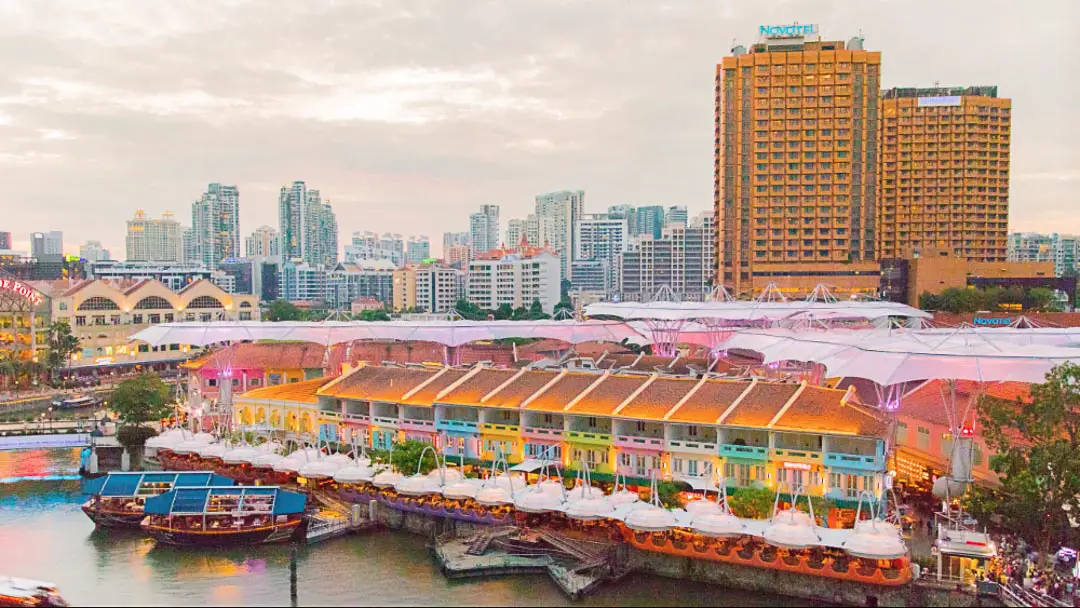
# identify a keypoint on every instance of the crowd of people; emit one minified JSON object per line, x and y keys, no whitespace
{"x":1018,"y":565}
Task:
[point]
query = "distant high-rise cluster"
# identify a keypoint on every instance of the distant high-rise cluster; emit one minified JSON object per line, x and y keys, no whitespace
{"x":417,"y":249}
{"x":154,"y":240}
{"x":215,"y":225}
{"x":374,"y":246}
{"x":263,"y":243}
{"x":307,"y":226}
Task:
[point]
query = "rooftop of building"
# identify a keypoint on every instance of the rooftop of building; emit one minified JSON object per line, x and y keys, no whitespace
{"x":972,"y":91}
{"x":305,"y":391}
{"x":262,"y":355}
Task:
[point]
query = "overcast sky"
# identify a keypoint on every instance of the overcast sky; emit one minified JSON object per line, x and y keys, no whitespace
{"x":409,"y":115}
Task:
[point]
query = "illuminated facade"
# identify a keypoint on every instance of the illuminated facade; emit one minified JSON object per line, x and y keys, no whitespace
{"x":24,"y":320}
{"x":758,"y":434}
{"x":944,"y":172}
{"x":796,"y":129}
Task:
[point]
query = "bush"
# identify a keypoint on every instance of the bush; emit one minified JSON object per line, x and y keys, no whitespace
{"x":134,"y":436}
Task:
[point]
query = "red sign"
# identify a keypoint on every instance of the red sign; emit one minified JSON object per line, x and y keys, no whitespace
{"x":23,"y":290}
{"x":798,"y":466}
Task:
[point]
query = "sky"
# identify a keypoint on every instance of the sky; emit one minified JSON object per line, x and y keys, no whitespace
{"x":409,"y":115}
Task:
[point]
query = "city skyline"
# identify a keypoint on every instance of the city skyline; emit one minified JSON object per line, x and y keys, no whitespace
{"x":465,"y":129}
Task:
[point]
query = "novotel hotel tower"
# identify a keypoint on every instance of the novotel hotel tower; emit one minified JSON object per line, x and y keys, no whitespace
{"x":796,"y":161}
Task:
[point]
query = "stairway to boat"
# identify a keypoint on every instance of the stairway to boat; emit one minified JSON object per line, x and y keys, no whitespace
{"x":481,"y":542}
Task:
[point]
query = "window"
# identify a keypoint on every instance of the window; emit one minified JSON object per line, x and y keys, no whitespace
{"x":153,"y":303}
{"x":692,"y":431}
{"x":206,"y":302}
{"x":98,"y":303}
{"x":591,"y":421}
{"x":114,"y":319}
{"x":548,"y":419}
{"x":211,"y":382}
{"x":137,"y":319}
{"x":63,"y":306}
{"x":254,"y":381}
{"x":99,"y":319}
{"x":641,"y":427}
{"x":154,"y":319}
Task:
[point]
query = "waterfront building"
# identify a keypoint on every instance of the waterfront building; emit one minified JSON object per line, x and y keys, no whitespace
{"x":263,"y":243}
{"x":239,"y":276}
{"x":92,"y":251}
{"x":592,"y":276}
{"x":558,"y":214}
{"x":484,"y":228}
{"x":104,"y":314}
{"x":365,"y":279}
{"x":944,"y":180}
{"x":682,"y":260}
{"x":302,"y":282}
{"x":516,"y":277}
{"x":25,"y":308}
{"x":373,"y":246}
{"x":417,"y":250}
{"x":432,"y":288}
{"x":1061,"y":249}
{"x":796,"y":160}
{"x":155,"y":240}
{"x":215,"y":225}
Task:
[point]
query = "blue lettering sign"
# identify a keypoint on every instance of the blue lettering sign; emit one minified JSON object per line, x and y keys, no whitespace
{"x":992,"y":321}
{"x":787,"y":31}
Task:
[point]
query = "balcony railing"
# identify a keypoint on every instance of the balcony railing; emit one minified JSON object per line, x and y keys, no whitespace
{"x":744,"y":451}
{"x":691,"y":445}
{"x":802,"y":454}
{"x":589,"y":437}
{"x":418,"y":423}
{"x":384,"y":421}
{"x":632,"y":441}
{"x":851,"y":461}
{"x":328,"y":415}
{"x":501,"y":428}
{"x":468,"y":426}
{"x":542,"y":433}
{"x":358,"y":418}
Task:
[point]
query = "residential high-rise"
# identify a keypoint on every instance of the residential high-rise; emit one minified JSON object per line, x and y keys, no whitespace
{"x":944,"y":172}
{"x":1061,"y":249}
{"x":373,"y":246}
{"x":302,"y":282}
{"x":427,"y":287}
{"x":484,"y":228}
{"x":154,"y":240}
{"x":452,"y":239}
{"x":515,"y":230}
{"x":307,"y":226}
{"x":5,"y":240}
{"x":600,"y":238}
{"x":796,"y":159}
{"x":263,"y":243}
{"x":47,"y":245}
{"x":190,"y":246}
{"x":458,"y":256}
{"x":676,"y":216}
{"x":348,"y":282}
{"x":417,"y":249}
{"x":92,"y":251}
{"x":215,"y":221}
{"x":514,"y":277}
{"x":648,"y":220}
{"x":558,"y":213}
{"x":681,"y":259}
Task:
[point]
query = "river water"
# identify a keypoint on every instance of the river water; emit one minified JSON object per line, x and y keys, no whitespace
{"x":44,"y":535}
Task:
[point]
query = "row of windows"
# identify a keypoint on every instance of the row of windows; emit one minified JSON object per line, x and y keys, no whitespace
{"x":148,"y":303}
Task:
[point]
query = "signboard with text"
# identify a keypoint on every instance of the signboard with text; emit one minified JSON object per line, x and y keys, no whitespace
{"x":787,"y":31}
{"x":21,"y":289}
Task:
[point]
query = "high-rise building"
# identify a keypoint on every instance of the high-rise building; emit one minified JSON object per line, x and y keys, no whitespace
{"x":47,"y":245}
{"x":92,"y":251}
{"x":600,"y":238}
{"x":417,"y":249}
{"x":676,"y":216}
{"x":302,"y":282}
{"x":648,"y":220}
{"x":452,"y":239}
{"x":215,"y":221}
{"x":484,"y":228}
{"x":944,"y":172}
{"x":558,"y":214}
{"x":154,"y":240}
{"x":515,"y":230}
{"x":307,"y":226}
{"x":681,"y":259}
{"x":796,"y":159}
{"x":516,"y":278}
{"x":349,"y":282}
{"x":5,"y":240}
{"x":374,"y":246}
{"x":263,"y":243}
{"x":458,"y":256}
{"x":427,"y":287}
{"x":190,"y":246}
{"x":1061,"y":249}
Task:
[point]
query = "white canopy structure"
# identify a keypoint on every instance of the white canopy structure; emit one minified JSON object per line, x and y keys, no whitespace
{"x":449,"y":333}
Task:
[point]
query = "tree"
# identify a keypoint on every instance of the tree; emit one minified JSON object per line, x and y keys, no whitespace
{"x":1036,"y":449}
{"x":141,"y":399}
{"x":283,"y":310}
{"x":564,"y":288}
{"x":1042,"y":299}
{"x":62,"y":344}
{"x":564,"y":304}
{"x":504,"y":312}
{"x":752,"y":503}
{"x":668,"y":493}
{"x":406,"y":457}
{"x":536,"y":311}
{"x":469,"y":310}
{"x":374,"y":315}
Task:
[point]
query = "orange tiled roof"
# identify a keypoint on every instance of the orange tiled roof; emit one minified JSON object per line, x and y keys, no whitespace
{"x":658,"y":398}
{"x":709,"y":402}
{"x":556,"y":398}
{"x":608,"y":395}
{"x":521,"y":389}
{"x":305,"y":391}
{"x":426,"y":395}
{"x":819,"y":409}
{"x":376,"y":383}
{"x":761,"y":404}
{"x":263,"y":355}
{"x":479,"y":384}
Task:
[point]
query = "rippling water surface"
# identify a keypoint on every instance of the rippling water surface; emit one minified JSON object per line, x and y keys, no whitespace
{"x":44,"y":535}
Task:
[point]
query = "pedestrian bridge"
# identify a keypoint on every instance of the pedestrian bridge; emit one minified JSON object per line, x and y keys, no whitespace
{"x":44,"y":441}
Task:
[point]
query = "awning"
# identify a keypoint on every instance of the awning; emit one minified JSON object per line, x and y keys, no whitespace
{"x":528,"y":466}
{"x":701,"y":483}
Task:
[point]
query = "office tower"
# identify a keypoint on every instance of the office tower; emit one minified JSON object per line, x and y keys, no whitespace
{"x":944,"y":172}
{"x":299,"y":281}
{"x":1061,"y":249}
{"x":5,"y":240}
{"x":373,"y":246}
{"x":47,"y":245}
{"x":796,"y":160}
{"x":262,"y":243}
{"x":515,"y":278}
{"x":648,"y":220}
{"x":417,"y":249}
{"x":676,"y":216}
{"x":215,"y":222}
{"x":484,"y":228}
{"x":681,"y":259}
{"x":625,"y":212}
{"x":154,"y":240}
{"x":92,"y":251}
{"x":558,"y":213}
{"x":600,"y":238}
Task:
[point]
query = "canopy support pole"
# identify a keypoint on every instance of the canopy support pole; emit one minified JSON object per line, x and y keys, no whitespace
{"x":665,"y":335}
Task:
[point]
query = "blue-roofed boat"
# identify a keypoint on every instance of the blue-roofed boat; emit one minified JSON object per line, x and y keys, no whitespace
{"x":117,"y":499}
{"x":215,"y":516}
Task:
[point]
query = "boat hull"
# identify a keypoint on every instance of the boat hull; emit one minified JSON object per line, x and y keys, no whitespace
{"x":278,"y":533}
{"x":113,"y":519}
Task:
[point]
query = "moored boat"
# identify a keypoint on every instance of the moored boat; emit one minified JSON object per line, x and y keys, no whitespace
{"x":26,"y":592}
{"x":117,"y":500}
{"x":215,"y":516}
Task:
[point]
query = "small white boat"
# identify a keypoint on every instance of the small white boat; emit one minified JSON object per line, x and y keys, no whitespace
{"x":27,"y":592}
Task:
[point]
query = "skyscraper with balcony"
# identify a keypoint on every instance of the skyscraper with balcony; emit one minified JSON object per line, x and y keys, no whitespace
{"x":262,"y":243}
{"x":154,"y":240}
{"x":215,"y":221}
{"x":796,"y":161}
{"x":417,"y":249}
{"x":484,"y":228}
{"x":944,"y":172}
{"x":557,"y":214}
{"x":307,"y":226}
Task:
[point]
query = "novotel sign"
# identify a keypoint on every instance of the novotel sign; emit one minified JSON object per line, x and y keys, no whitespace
{"x":999,"y":321}
{"x":21,"y":289}
{"x":787,"y":31}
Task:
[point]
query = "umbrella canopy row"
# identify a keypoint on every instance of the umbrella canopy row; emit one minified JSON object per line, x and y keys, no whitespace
{"x":449,"y":333}
{"x":739,"y":311}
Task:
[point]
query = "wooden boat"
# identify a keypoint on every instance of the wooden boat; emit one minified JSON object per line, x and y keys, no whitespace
{"x":117,"y":499}
{"x":26,"y":592}
{"x":216,"y":516}
{"x":74,"y":403}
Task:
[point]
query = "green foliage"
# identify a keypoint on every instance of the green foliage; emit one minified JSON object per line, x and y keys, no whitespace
{"x":564,"y":288}
{"x":504,"y":312}
{"x":141,"y":399}
{"x":373,"y":315}
{"x":536,"y":311}
{"x":134,"y":436}
{"x":564,"y":304}
{"x":406,"y":457}
{"x":1036,"y":449}
{"x":283,"y":310}
{"x":634,"y":348}
{"x":668,"y":494}
{"x":62,"y":344}
{"x":753,"y":503}
{"x":469,"y":310}
{"x":960,"y":301}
